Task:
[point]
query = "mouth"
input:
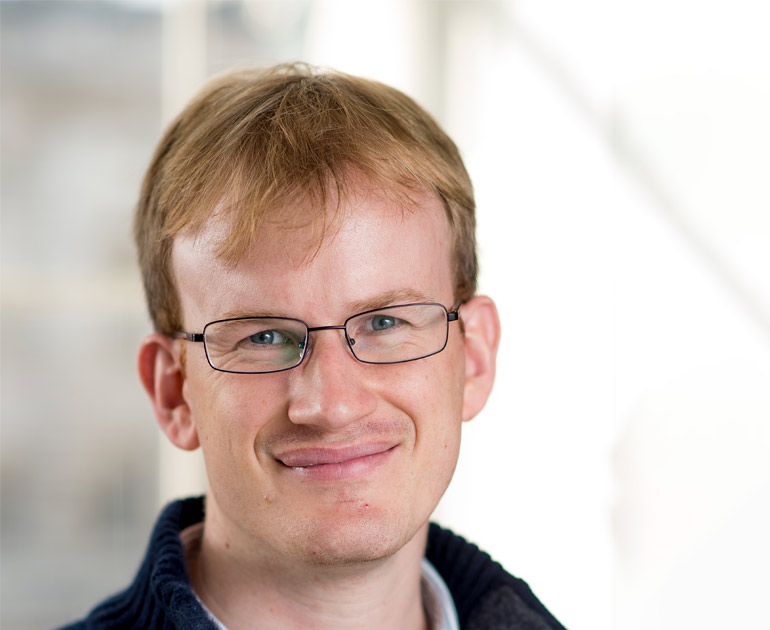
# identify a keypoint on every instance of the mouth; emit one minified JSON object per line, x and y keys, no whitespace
{"x":333,"y":464}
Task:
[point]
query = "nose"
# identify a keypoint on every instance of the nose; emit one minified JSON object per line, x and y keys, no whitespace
{"x":329,"y":389}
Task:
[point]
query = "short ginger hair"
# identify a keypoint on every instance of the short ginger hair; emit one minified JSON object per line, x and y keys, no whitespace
{"x":253,"y":141}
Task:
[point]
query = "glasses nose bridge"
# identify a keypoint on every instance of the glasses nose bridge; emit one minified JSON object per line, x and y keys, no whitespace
{"x":342,"y":327}
{"x":314,"y":328}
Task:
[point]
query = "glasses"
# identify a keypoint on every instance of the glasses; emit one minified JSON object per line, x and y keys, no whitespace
{"x":259,"y":345}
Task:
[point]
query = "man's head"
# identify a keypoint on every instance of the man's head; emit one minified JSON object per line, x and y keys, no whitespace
{"x":313,"y":199}
{"x":255,"y":142}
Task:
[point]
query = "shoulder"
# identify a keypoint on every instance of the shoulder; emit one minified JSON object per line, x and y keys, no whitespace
{"x":160,"y":597}
{"x":486,"y":595}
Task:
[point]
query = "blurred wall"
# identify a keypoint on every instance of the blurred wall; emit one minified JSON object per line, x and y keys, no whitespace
{"x":620,"y":154}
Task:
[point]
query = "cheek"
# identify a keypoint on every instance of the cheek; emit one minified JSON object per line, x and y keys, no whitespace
{"x":230,"y":414}
{"x":436,"y":411}
{"x":431,"y":393}
{"x":229,"y":410}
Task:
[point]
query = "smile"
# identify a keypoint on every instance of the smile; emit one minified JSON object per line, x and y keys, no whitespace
{"x":324,"y":464}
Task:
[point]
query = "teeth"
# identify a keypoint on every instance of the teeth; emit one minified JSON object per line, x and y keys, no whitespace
{"x":303,"y":466}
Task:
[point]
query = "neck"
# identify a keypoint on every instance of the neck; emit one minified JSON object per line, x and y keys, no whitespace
{"x":251,"y":589}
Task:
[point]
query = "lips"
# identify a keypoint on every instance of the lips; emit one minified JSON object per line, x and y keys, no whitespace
{"x":306,"y":457}
{"x":335,"y":463}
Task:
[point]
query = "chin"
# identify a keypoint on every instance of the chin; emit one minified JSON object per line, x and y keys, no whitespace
{"x":347,"y":542}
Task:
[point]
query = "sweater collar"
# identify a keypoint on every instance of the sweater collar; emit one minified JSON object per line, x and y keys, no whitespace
{"x":467,"y":571}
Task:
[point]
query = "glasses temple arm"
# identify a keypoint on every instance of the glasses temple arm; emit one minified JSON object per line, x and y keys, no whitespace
{"x":179,"y":334}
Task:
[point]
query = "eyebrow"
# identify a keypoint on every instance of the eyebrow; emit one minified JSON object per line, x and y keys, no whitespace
{"x":399,"y":296}
{"x":389,"y":298}
{"x":242,"y":314}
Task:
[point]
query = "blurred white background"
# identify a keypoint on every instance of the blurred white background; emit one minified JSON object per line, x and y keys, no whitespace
{"x":621,"y":157}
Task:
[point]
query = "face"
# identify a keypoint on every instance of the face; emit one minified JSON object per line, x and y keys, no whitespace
{"x":334,"y":461}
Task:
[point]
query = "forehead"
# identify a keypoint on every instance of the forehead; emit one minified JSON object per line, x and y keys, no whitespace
{"x":368,"y":247}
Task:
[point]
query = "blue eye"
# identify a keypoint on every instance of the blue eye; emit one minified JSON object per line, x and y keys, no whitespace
{"x":268,"y":338}
{"x":383,"y":322}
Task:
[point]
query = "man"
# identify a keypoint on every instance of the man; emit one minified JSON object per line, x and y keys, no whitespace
{"x":307,"y":246}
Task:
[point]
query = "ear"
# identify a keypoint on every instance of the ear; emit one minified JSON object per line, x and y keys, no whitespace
{"x":162,"y":375}
{"x":482,"y":336}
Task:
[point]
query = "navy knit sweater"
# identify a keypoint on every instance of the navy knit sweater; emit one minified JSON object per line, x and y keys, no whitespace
{"x":161,"y":598}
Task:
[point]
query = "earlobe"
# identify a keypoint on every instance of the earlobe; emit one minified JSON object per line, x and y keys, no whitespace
{"x":163,"y":378}
{"x":482,"y":336}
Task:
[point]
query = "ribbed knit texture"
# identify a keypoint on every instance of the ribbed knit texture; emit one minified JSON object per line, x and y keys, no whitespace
{"x":161,"y":598}
{"x":485,"y":595}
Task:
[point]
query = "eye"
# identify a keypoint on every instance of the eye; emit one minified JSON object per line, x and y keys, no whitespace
{"x":383,"y":322}
{"x":268,"y":338}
